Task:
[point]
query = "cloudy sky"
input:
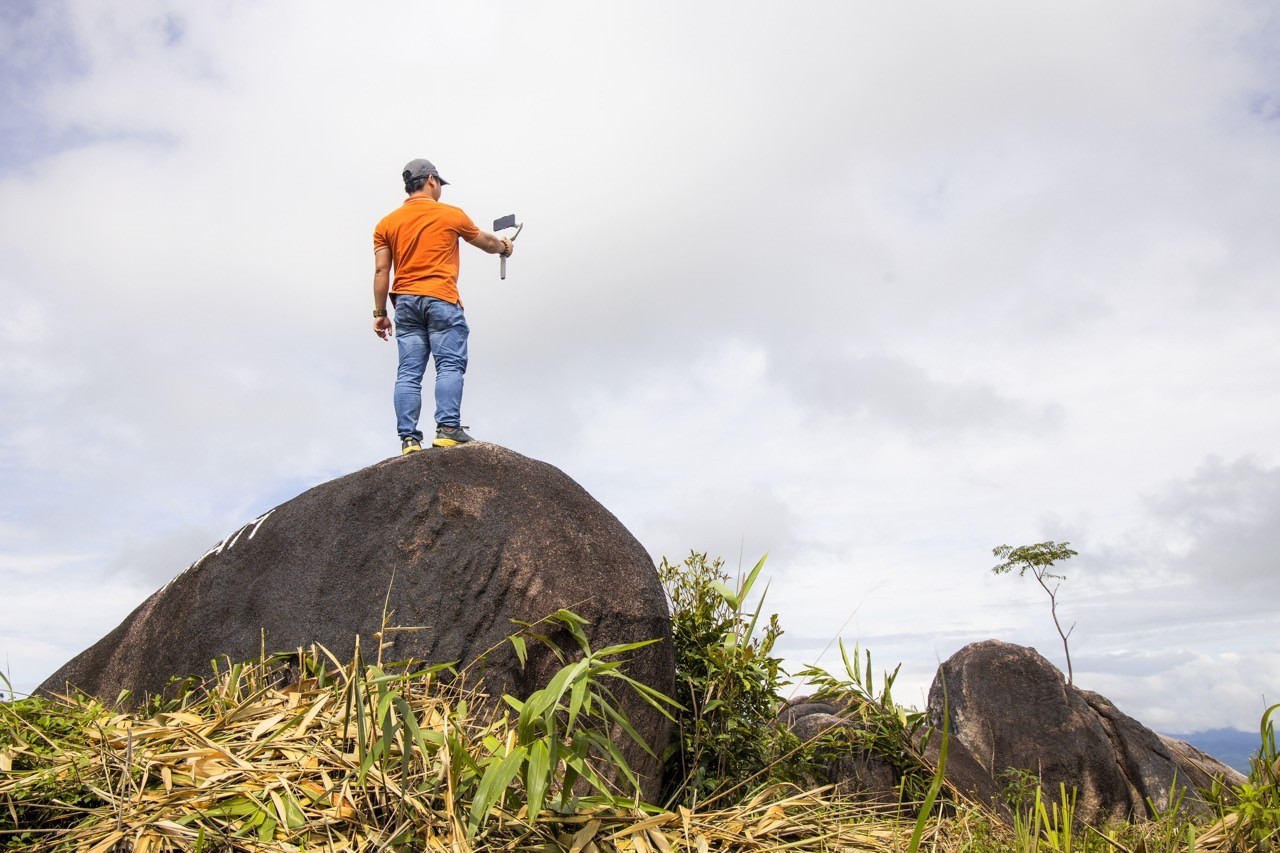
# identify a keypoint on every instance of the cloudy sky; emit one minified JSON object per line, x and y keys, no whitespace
{"x":870,"y":287}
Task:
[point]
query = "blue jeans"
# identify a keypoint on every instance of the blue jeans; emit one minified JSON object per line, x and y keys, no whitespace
{"x":427,"y":327}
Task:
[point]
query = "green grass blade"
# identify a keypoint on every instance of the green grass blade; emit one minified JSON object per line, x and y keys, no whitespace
{"x":745,"y":589}
{"x":537,"y":776}
{"x":522,"y":652}
{"x":938,"y":776}
{"x":497,"y":777}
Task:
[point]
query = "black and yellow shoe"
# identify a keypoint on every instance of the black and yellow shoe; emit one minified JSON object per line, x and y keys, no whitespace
{"x":409,"y":445}
{"x":449,"y":436}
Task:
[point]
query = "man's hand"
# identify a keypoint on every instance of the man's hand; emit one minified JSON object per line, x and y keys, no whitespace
{"x":382,"y":327}
{"x":508,"y":247}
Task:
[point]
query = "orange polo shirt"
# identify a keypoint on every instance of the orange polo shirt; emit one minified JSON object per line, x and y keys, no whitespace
{"x":422,"y":235}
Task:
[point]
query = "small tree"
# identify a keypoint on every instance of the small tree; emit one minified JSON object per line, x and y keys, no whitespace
{"x":1038,"y":559}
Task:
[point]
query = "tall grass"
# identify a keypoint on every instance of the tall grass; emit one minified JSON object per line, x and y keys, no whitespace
{"x":348,"y":754}
{"x":1250,"y":815}
{"x":307,"y":751}
{"x":359,"y":756}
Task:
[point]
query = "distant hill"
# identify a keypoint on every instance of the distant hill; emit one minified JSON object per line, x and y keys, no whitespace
{"x":1230,"y":746}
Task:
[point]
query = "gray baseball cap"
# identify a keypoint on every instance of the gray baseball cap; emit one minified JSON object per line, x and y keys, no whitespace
{"x":421,"y":169}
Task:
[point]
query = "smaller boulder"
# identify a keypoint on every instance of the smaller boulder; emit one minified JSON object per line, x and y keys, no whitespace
{"x":850,"y":768}
{"x":859,"y":773}
{"x":804,"y":708}
{"x":1013,"y":710}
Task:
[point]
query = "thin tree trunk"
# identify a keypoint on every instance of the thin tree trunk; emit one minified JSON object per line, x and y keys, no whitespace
{"x":1053,"y":611}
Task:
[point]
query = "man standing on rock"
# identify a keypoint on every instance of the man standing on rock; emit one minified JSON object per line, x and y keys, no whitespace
{"x":419,"y":240}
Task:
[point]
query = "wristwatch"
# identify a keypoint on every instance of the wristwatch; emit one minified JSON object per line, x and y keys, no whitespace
{"x":379,"y":313}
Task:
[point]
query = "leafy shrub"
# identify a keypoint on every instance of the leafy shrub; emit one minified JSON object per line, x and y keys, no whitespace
{"x":1256,"y":814}
{"x":33,"y":733}
{"x":727,"y":682}
{"x":876,"y":724}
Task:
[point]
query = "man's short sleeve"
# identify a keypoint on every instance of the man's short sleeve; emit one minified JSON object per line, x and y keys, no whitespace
{"x":380,"y":238}
{"x":466,"y":229}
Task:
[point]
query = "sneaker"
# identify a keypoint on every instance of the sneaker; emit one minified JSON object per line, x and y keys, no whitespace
{"x":409,"y":445}
{"x":449,"y":436}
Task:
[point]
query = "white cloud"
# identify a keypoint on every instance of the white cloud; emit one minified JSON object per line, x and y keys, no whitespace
{"x":873,"y":290}
{"x":1206,"y":691}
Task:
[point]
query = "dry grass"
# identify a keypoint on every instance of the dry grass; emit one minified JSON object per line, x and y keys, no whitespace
{"x":366,"y":758}
{"x":333,"y":763}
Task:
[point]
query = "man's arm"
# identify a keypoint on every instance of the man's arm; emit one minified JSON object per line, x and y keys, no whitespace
{"x":381,"y":284}
{"x":492,"y":243}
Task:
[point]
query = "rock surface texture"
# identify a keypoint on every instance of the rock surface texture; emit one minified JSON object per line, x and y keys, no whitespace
{"x":1011,"y":708}
{"x":466,"y":539}
{"x":854,"y":771}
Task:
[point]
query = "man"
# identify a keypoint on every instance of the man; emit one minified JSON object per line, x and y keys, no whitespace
{"x":420,"y":242}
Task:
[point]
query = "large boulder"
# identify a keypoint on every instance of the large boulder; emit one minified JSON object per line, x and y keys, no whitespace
{"x":457,"y":543}
{"x":1013,"y":710}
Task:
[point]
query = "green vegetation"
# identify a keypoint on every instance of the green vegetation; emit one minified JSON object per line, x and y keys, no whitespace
{"x":1252,"y":813}
{"x":1038,"y":559}
{"x":727,"y":683}
{"x":730,"y":741}
{"x":358,"y":755}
